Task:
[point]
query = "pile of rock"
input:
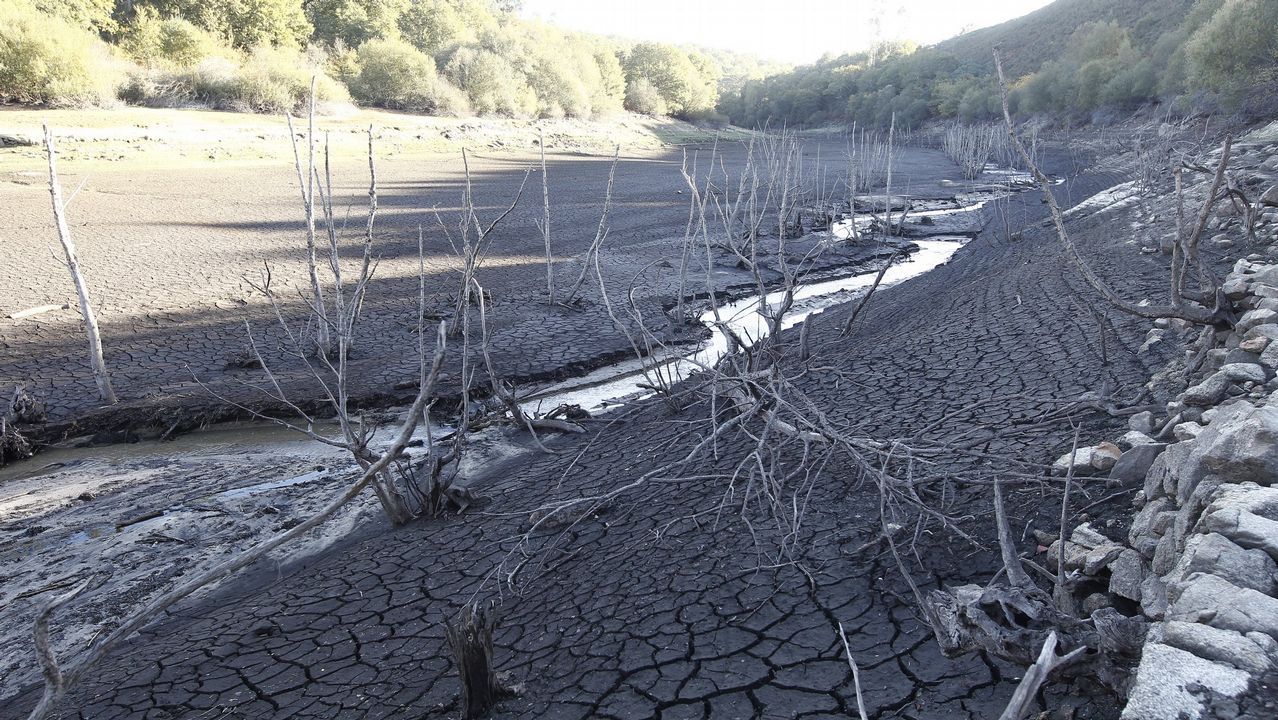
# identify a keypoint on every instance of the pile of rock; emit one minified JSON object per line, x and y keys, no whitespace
{"x":1201,"y":558}
{"x":1201,"y":552}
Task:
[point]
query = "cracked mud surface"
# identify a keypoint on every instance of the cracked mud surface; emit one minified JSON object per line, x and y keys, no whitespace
{"x":655,"y":606}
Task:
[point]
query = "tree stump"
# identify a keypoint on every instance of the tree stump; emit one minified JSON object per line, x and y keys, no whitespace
{"x":471,"y":640}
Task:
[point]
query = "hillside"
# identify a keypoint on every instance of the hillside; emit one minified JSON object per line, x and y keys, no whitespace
{"x":1030,"y":40}
{"x":1089,"y":60}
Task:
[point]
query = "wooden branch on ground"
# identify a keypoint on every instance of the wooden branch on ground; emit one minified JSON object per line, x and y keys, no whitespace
{"x":1048,"y":662}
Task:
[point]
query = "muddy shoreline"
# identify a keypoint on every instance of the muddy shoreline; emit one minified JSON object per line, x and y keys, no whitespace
{"x":166,"y":418}
{"x":461,"y":547}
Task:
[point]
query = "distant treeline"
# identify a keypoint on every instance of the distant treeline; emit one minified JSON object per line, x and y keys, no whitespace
{"x":447,"y":57}
{"x":1086,"y":59}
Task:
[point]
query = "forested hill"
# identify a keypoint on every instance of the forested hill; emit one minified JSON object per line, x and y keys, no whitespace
{"x":440,"y":57}
{"x":1086,"y":59}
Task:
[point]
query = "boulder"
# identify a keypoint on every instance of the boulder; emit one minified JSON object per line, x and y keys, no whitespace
{"x":1142,"y":535}
{"x":1256,"y":318}
{"x":1239,"y":356}
{"x":1142,"y":422}
{"x":1173,"y":683}
{"x":1133,"y":438}
{"x":1268,"y":330}
{"x":1224,"y":646}
{"x":1209,"y":599}
{"x":1245,"y":528}
{"x":1235,"y":288}
{"x":1126,"y":573}
{"x":1187,"y":431}
{"x":1133,"y":465}
{"x":1270,"y":197}
{"x":1105,"y":456}
{"x":1269,"y":358}
{"x":1088,"y":460}
{"x":1208,"y":392}
{"x":1216,"y":554}
{"x":1243,"y":445}
{"x":1240,"y":372}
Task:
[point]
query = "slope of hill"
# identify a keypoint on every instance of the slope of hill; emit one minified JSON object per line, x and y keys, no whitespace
{"x":1026,"y":42}
{"x":1085,"y":59}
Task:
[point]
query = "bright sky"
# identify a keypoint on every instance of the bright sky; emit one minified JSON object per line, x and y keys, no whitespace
{"x":795,"y":31}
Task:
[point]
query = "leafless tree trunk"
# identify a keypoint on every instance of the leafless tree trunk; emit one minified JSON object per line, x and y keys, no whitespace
{"x":545,"y":220}
{"x":1179,"y":308}
{"x":471,"y":640}
{"x":100,"y":376}
{"x":307,"y":187}
{"x":592,"y":253}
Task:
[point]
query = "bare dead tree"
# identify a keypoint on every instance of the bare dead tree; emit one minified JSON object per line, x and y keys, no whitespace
{"x":100,"y":375}
{"x":592,"y":253}
{"x":545,"y":221}
{"x":476,"y":240}
{"x":1181,"y":307}
{"x":969,"y":146}
{"x":306,"y":186}
{"x":471,"y":640}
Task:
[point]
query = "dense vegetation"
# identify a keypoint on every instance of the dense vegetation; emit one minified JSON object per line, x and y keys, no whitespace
{"x":1086,"y":59}
{"x":1089,"y":59}
{"x":431,"y":56}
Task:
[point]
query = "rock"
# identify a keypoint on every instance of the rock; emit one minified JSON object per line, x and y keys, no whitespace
{"x":1269,"y":330}
{"x":1187,"y":431}
{"x":1132,"y":438}
{"x":1105,"y":456}
{"x":1238,"y":356}
{"x":1224,"y":646}
{"x":1094,"y":602}
{"x":1269,"y":358}
{"x":1208,"y":392}
{"x":1126,"y":573}
{"x":1244,"y":445}
{"x":1209,"y":599}
{"x":1264,"y":291}
{"x":1142,"y":422}
{"x":1235,"y":288}
{"x":1216,"y":554}
{"x":1256,"y":318}
{"x":1247,"y":529}
{"x":1142,"y":535}
{"x":1270,"y":197}
{"x":1085,"y":460}
{"x":1153,"y":597}
{"x":1173,"y":683}
{"x":1133,"y":465}
{"x":1243,"y":372}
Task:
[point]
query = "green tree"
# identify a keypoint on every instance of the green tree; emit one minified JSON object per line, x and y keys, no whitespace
{"x":434,"y":26}
{"x":354,"y":21}
{"x":88,"y":14}
{"x":396,"y":75}
{"x":687,"y":83}
{"x":1237,"y":47}
{"x":243,"y":23}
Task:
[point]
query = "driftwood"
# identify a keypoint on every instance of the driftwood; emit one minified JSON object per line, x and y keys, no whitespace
{"x":1047,"y":663}
{"x":37,"y":310}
